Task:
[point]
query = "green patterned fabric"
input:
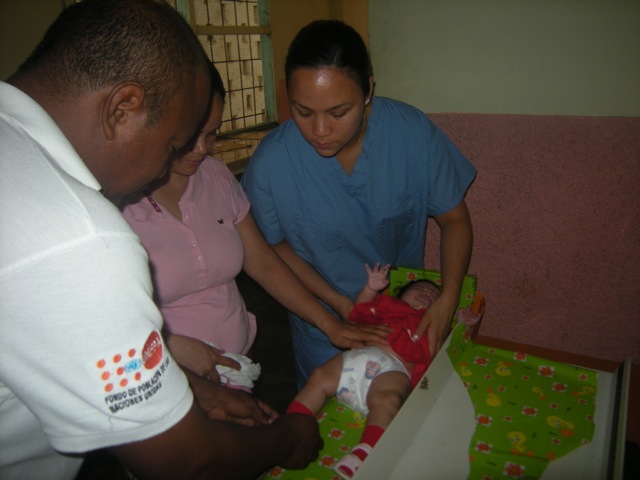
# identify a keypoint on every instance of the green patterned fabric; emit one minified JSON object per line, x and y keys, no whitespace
{"x":529,"y":411}
{"x":340,"y":428}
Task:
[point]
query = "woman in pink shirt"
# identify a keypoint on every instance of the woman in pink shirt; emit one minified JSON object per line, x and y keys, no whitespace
{"x":196,"y":226}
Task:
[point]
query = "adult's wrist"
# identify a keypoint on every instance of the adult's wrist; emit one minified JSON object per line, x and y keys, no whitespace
{"x":342,"y":305}
{"x":328,"y":324}
{"x":281,"y":438}
{"x":450,"y":302}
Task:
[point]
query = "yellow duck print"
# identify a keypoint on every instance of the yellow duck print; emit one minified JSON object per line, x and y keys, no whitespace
{"x":586,"y":390}
{"x":358,"y":420}
{"x":540,"y":393}
{"x":517,"y":439}
{"x":566,"y":428}
{"x":464,"y":371}
{"x":492,"y":399}
{"x":503,"y":369}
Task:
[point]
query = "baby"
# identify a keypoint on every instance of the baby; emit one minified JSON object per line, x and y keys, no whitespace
{"x":377,"y":379}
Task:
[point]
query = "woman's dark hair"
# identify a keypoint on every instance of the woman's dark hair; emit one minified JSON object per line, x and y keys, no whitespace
{"x":330,"y":43}
{"x":217,"y":86}
{"x":95,"y":43}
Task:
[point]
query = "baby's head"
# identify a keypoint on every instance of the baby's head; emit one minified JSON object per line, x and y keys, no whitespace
{"x":419,"y":294}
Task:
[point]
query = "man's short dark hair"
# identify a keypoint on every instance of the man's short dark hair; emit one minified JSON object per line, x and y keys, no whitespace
{"x":96,"y":43}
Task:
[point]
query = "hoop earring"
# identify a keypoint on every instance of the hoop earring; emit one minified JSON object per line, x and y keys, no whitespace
{"x":366,"y":102}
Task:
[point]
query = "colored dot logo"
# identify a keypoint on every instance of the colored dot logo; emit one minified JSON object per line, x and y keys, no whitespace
{"x":122,"y":369}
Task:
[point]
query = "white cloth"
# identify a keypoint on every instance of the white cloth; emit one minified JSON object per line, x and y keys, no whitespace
{"x":82,"y":363}
{"x":360,"y":366}
{"x":242,"y":379}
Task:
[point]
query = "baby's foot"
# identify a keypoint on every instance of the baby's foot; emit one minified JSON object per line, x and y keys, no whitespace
{"x":348,"y":465}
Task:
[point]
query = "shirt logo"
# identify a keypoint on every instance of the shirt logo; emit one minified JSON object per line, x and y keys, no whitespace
{"x":152,"y":351}
{"x":133,"y":377}
{"x":122,"y":369}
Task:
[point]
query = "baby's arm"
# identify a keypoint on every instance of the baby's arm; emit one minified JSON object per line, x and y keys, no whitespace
{"x":376,"y":281}
{"x":472,"y":314}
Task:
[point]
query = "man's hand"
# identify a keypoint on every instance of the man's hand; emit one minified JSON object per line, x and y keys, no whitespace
{"x":377,"y":276}
{"x":197,"y":356}
{"x":305,"y":440}
{"x":222,"y":403}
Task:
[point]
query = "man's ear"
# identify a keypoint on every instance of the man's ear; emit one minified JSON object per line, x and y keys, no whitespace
{"x":124,"y":106}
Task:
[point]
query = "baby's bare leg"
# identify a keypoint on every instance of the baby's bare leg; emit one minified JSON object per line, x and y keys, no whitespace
{"x":386,"y":395}
{"x":322,"y":383}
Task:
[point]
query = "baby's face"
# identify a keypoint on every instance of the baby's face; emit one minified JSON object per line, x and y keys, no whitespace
{"x":421,"y":295}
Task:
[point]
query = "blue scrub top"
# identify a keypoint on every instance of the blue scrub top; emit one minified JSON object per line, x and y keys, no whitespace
{"x":407,"y":170}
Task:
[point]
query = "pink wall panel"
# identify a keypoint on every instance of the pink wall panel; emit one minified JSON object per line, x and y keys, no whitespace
{"x":556,"y":214}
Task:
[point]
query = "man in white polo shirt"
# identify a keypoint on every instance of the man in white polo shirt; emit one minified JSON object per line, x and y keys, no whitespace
{"x":114,"y":88}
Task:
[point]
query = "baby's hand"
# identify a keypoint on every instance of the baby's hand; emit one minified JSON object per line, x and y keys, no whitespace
{"x":377,"y":277}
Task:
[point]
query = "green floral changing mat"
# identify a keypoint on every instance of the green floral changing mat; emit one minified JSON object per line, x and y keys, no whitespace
{"x":340,"y":428}
{"x":528,"y":410}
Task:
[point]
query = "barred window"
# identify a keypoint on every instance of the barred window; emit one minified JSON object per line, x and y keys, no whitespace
{"x":236,"y":36}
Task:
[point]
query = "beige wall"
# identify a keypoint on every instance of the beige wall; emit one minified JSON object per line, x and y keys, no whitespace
{"x":539,"y":57}
{"x":289,"y":16}
{"x":22,"y":25}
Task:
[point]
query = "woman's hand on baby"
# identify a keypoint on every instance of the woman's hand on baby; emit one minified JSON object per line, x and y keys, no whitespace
{"x":435,"y":323}
{"x":352,"y":335}
{"x":377,"y":276}
{"x":198,"y":356}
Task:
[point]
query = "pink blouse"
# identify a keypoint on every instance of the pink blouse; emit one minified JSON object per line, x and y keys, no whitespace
{"x":194,"y":262}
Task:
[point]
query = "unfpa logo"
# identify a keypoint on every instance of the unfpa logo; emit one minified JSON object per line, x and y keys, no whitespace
{"x":122,"y":370}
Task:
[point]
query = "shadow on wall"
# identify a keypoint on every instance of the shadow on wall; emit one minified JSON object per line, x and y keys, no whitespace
{"x":556,"y":215}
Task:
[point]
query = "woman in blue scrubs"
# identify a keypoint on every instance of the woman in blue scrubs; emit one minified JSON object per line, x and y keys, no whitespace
{"x":352,"y":179}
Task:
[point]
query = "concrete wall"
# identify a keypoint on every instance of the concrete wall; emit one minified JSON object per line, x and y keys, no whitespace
{"x":539,"y":57}
{"x":557,"y":228}
{"x":535,"y":94}
{"x":22,"y":25}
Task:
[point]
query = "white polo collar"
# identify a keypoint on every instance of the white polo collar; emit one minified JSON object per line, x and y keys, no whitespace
{"x":23,"y":112}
